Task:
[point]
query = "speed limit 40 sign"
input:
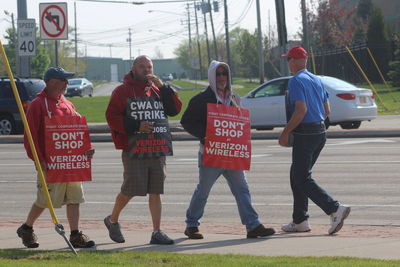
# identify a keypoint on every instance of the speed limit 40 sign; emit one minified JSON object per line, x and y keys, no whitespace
{"x":26,"y":37}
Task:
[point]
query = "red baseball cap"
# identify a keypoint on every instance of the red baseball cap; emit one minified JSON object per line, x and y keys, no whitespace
{"x":296,"y":52}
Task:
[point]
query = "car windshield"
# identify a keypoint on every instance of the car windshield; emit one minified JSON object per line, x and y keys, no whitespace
{"x":336,"y":83}
{"x":34,"y":87}
{"x":75,"y":82}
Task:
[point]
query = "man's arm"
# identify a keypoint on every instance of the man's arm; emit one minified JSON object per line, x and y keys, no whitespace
{"x":327,"y":107}
{"x":300,"y":111}
{"x":116,"y":114}
{"x":171,"y":101}
{"x":193,"y":119}
{"x":170,"y":98}
{"x":35,"y":119}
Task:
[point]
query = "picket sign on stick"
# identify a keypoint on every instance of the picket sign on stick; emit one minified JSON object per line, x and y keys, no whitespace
{"x":58,"y":227}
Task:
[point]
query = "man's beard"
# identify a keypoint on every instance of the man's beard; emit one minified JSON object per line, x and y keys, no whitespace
{"x":139,"y":77}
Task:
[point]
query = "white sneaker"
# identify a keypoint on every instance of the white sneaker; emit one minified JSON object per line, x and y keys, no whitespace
{"x":337,"y":218}
{"x":293,"y":227}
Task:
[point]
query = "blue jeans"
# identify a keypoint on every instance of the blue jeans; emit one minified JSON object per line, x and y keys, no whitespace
{"x":237,"y":183}
{"x":309,"y":139}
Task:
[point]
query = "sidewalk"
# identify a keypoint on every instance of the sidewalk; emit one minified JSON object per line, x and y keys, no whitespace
{"x":349,"y":242}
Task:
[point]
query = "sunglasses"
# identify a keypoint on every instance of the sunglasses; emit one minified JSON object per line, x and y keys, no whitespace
{"x":288,"y":59}
{"x":61,"y":79}
{"x":224,"y":73}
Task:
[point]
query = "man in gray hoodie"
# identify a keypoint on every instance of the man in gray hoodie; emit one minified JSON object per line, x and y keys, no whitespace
{"x":194,"y":121}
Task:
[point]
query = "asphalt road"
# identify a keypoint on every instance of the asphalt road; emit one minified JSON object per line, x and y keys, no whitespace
{"x":363,"y":173}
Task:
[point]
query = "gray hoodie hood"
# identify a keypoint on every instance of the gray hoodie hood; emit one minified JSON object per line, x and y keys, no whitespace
{"x":212,"y":79}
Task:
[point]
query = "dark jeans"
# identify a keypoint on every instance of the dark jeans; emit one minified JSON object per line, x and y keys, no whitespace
{"x":309,"y":139}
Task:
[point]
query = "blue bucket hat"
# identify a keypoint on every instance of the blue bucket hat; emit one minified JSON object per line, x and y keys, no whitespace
{"x":57,"y":73}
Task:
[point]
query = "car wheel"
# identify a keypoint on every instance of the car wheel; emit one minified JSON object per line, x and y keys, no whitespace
{"x":327,"y":123}
{"x":91,"y":92}
{"x":7,"y":125}
{"x":350,"y":125}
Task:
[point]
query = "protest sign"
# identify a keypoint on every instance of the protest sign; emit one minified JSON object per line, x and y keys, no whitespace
{"x":159,"y":141}
{"x":228,"y":137}
{"x":66,"y":140}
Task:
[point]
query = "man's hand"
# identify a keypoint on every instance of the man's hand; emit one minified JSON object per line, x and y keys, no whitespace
{"x":89,"y":153}
{"x":157,"y":81}
{"x":146,"y":127}
{"x":284,"y":139}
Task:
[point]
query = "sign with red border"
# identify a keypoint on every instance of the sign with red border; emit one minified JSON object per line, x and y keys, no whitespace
{"x":53,"y":21}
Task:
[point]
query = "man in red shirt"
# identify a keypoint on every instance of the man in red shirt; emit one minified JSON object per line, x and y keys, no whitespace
{"x":136,"y":107}
{"x":51,"y":102}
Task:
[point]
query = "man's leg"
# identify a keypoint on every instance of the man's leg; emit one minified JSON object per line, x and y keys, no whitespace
{"x":25,"y":231}
{"x":238,"y":184}
{"x":120,"y":202}
{"x":33,"y":215}
{"x":77,"y":238}
{"x":73,"y":216}
{"x":207,"y":177}
{"x":305,"y":154}
{"x":155,"y":207}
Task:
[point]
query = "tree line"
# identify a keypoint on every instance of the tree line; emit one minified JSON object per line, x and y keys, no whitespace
{"x":331,"y":25}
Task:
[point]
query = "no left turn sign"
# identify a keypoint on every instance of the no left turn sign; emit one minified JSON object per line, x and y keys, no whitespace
{"x":53,"y":21}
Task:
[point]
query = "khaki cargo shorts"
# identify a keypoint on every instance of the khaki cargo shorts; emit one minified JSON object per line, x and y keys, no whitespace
{"x":60,"y":194}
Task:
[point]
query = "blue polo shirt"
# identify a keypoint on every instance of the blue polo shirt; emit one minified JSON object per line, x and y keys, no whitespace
{"x":308,"y":88}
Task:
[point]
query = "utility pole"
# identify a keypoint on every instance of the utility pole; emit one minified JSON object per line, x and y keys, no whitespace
{"x":190,"y":42}
{"x":260,"y":45}
{"x":198,"y":42}
{"x":228,"y":50}
{"x":205,"y":30}
{"x":56,"y":51}
{"x":23,"y":62}
{"x":76,"y":40}
{"x":282,"y":34}
{"x":14,"y":37}
{"x":130,"y":44}
{"x":213,"y":32}
{"x":305,"y":24}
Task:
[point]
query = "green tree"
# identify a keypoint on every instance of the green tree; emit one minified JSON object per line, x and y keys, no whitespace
{"x":364,"y":9}
{"x":377,"y":32}
{"x":244,"y":53}
{"x":394,"y":66}
{"x":246,"y":49}
{"x":10,"y":48}
{"x":378,"y":41}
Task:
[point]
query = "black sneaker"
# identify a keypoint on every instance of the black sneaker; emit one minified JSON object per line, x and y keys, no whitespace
{"x":260,"y":231}
{"x":160,"y":238}
{"x":29,"y":239}
{"x":80,"y":240}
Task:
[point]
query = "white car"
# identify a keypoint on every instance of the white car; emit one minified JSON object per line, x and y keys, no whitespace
{"x":350,"y":105}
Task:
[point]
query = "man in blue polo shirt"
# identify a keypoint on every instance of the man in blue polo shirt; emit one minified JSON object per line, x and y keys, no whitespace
{"x":308,"y":108}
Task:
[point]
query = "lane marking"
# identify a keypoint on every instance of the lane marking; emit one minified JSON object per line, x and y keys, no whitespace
{"x":356,"y":142}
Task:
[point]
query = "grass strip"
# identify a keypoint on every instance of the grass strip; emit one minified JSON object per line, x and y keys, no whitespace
{"x":30,"y":258}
